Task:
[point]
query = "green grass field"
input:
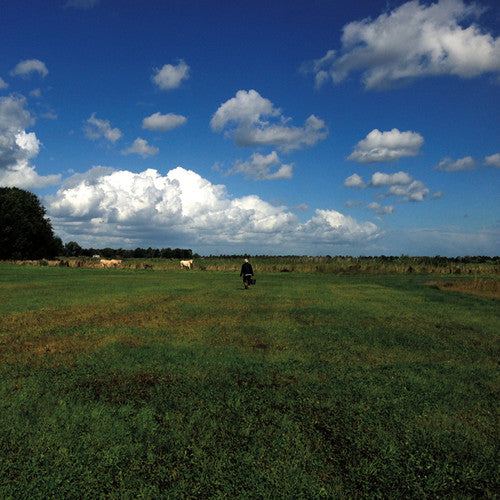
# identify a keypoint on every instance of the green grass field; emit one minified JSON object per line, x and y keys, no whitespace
{"x":122,"y":383}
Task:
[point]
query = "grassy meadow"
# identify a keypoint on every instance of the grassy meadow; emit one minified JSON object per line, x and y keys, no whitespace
{"x":149,"y":383}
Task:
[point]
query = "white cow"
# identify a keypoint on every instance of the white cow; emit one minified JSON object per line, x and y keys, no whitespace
{"x":110,"y":263}
{"x":187,"y":264}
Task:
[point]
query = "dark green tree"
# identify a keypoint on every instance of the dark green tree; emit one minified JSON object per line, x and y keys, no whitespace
{"x":25,"y":233}
{"x":72,"y":249}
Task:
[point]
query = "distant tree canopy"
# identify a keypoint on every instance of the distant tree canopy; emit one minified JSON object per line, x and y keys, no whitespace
{"x":25,"y":233}
{"x":73,"y":249}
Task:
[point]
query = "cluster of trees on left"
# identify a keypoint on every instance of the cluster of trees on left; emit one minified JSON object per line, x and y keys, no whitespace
{"x":25,"y":233}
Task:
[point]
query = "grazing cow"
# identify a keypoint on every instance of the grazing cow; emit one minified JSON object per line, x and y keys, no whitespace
{"x":187,"y":264}
{"x":110,"y":263}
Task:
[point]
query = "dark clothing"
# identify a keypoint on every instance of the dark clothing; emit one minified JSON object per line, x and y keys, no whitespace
{"x":246,"y":268}
{"x":247,"y":273}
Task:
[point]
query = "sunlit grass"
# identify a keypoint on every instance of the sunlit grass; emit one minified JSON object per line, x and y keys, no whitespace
{"x":133,"y":384}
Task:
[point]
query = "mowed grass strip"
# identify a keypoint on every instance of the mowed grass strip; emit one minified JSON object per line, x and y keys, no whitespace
{"x":148,"y":384}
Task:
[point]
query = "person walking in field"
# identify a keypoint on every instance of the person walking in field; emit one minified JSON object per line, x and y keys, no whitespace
{"x":247,"y":273}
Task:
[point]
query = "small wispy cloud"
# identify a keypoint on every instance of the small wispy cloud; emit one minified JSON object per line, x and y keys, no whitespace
{"x":438,"y":194}
{"x":355,"y":181}
{"x":141,"y":147}
{"x":493,"y":160}
{"x":263,"y":167}
{"x":353,"y":203}
{"x":27,"y":67}
{"x":95,"y":128}
{"x":380,"y":209}
{"x":162,"y":123}
{"x":170,"y":77}
{"x":461,"y":165}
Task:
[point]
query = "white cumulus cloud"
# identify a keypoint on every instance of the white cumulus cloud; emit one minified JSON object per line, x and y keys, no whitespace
{"x":182,"y":208}
{"x":246,"y":118}
{"x":400,"y":184}
{"x":24,"y":176}
{"x":162,"y":123}
{"x":18,"y":147}
{"x":386,"y":146}
{"x":330,"y":225}
{"x":355,"y":181}
{"x":3,"y":84}
{"x":26,"y":68}
{"x":415,"y":191}
{"x":380,"y":179}
{"x":461,"y":165}
{"x":263,"y":167}
{"x":414,"y":40}
{"x":170,"y":76}
{"x":247,"y":107}
{"x":95,"y":128}
{"x":141,"y":147}
{"x":493,"y":160}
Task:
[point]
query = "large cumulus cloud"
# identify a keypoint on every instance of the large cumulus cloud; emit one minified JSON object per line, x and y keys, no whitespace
{"x":413,"y":41}
{"x":182,"y":208}
{"x":253,"y":120}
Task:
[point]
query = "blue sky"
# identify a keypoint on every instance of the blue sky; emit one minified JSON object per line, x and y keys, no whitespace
{"x":306,"y":127}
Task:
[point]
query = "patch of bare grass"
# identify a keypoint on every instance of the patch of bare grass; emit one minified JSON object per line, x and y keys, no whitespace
{"x":83,"y":328}
{"x":483,"y":288}
{"x":124,"y":388}
{"x":70,"y":331}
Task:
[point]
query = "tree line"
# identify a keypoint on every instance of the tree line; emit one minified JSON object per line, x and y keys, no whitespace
{"x":73,"y":249}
